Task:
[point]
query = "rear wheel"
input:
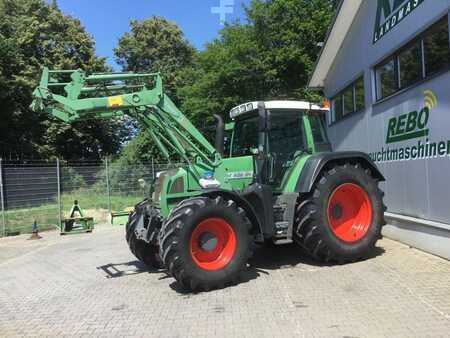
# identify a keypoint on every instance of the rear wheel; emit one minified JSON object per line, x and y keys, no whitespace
{"x":341,"y":219}
{"x":148,"y":253}
{"x":205,"y":243}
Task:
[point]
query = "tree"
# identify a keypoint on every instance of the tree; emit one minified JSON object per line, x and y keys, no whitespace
{"x":228,"y":72}
{"x":269,"y":57}
{"x":33,"y":34}
{"x":289,"y":32}
{"x":155,"y":45}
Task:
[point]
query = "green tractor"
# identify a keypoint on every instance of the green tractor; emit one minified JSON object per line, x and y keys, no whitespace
{"x":277,"y":181}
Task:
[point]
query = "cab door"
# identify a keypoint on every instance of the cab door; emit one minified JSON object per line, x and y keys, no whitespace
{"x":286,"y":142}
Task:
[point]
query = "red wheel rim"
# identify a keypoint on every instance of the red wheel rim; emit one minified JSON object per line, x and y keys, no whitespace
{"x":349,"y":212}
{"x":213,"y":244}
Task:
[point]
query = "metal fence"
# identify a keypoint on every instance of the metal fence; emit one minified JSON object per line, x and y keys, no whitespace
{"x":44,"y":192}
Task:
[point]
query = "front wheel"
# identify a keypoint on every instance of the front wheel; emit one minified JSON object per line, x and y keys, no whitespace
{"x":148,"y":253}
{"x":205,"y":243}
{"x":341,"y":219}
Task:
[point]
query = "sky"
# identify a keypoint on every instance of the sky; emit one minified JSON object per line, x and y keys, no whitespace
{"x":107,"y":20}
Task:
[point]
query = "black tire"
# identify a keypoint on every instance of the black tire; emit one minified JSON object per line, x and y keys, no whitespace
{"x":178,"y":232}
{"x":148,"y":253}
{"x":313,"y":229}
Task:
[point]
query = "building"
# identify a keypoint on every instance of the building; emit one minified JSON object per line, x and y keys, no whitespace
{"x":385,"y":68}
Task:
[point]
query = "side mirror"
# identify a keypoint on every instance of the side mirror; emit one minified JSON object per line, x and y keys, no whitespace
{"x":220,"y":134}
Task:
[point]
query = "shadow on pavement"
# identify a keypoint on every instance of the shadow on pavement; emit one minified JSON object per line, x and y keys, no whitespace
{"x":272,"y":257}
{"x":125,"y":269}
{"x":245,"y":277}
{"x":265,"y":257}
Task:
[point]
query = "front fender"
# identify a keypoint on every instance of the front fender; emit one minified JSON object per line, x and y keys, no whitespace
{"x":255,"y":197}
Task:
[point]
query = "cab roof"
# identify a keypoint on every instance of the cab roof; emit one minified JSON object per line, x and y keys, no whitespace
{"x":298,"y":105}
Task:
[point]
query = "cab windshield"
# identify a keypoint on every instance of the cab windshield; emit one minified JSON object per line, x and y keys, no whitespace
{"x":285,"y":137}
{"x":285,"y":140}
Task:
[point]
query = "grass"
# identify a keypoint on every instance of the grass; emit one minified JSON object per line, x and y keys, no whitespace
{"x":94,"y":204}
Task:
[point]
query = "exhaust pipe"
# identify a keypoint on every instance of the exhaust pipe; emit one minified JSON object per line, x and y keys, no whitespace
{"x":220,"y":134}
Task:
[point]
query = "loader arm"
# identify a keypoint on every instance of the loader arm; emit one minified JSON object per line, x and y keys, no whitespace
{"x":72,"y":95}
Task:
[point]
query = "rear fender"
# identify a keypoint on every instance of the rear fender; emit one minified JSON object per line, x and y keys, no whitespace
{"x":316,"y":163}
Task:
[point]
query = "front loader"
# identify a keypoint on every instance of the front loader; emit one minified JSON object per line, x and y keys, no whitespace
{"x":277,"y":180}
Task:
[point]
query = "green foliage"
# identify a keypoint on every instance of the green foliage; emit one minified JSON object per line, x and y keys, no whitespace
{"x":33,"y":34}
{"x":139,"y":150}
{"x":270,"y":57}
{"x":94,"y":203}
{"x":288,"y":33}
{"x":155,"y":45}
{"x":123,"y":179}
{"x":71,"y":180}
{"x":228,"y":72}
{"x":126,"y":180}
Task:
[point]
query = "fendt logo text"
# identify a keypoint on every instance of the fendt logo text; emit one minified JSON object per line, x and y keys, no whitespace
{"x":390,"y":13}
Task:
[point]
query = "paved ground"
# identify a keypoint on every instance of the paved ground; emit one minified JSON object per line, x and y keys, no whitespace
{"x":90,"y":285}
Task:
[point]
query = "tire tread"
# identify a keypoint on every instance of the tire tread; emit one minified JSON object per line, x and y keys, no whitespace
{"x":308,"y":221}
{"x":171,"y":233}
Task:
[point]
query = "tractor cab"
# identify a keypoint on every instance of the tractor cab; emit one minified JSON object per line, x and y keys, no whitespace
{"x":279,"y":133}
